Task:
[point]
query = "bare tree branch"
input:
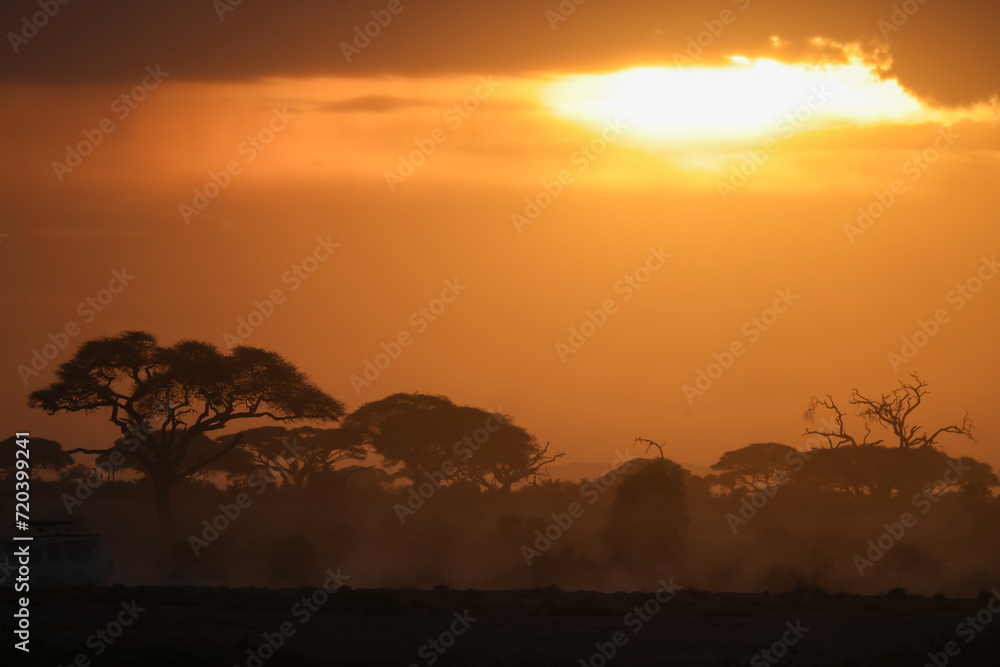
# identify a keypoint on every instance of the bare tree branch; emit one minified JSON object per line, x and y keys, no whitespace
{"x":649,"y":444}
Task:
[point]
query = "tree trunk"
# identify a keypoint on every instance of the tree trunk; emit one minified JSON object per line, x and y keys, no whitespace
{"x":164,"y":510}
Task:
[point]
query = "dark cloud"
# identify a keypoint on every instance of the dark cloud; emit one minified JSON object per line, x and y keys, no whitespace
{"x":940,"y":50}
{"x":371,"y":104}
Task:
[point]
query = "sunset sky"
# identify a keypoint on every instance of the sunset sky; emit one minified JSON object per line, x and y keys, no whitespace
{"x":655,"y":174}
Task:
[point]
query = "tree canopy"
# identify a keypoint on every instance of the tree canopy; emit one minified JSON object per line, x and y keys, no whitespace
{"x":296,"y":455}
{"x":421,"y":433}
{"x":754,"y":467}
{"x":45,"y":455}
{"x":181,"y":393}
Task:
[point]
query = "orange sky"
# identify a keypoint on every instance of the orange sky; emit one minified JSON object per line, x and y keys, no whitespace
{"x":640,"y":233}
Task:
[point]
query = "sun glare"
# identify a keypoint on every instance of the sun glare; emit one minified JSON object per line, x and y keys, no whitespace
{"x":744,"y":100}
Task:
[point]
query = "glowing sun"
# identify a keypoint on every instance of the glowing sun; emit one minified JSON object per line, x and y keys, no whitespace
{"x":742,"y":101}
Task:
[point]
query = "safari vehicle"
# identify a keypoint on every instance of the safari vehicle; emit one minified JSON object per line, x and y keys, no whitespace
{"x":58,"y":557}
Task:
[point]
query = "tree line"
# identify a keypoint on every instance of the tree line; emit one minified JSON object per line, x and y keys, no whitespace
{"x":169,"y":401}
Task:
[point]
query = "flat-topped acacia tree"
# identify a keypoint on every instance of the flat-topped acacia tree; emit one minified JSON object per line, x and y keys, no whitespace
{"x":425,"y":433}
{"x":166,"y":399}
{"x":45,"y":454}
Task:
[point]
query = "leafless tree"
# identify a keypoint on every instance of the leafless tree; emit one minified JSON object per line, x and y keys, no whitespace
{"x":891,"y":411}
{"x":650,"y":444}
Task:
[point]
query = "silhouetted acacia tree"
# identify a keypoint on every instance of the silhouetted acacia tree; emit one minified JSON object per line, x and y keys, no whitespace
{"x":878,"y":473}
{"x":111,"y":464}
{"x":761,"y":465}
{"x":119,"y":455}
{"x":859,"y":472}
{"x":45,"y":455}
{"x":295,"y":455}
{"x":430,"y":435}
{"x":203,"y":390}
{"x":509,"y":457}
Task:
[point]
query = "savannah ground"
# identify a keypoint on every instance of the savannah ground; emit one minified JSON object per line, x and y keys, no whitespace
{"x":536,"y":627}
